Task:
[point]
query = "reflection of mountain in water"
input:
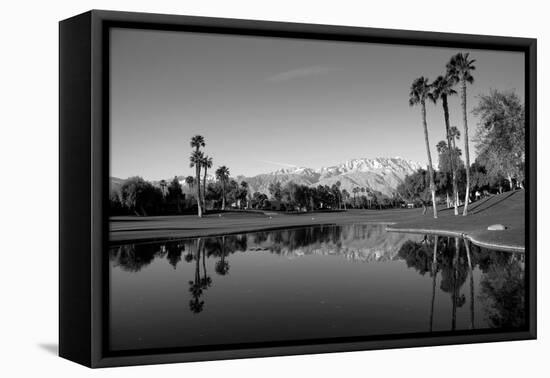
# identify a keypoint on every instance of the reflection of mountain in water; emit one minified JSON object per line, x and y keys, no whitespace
{"x":357,"y":242}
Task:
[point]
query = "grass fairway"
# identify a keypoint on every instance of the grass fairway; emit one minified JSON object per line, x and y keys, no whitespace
{"x":507,"y":209}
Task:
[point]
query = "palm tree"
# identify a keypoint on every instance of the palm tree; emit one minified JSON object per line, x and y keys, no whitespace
{"x":244,"y":193}
{"x":190,"y":180}
{"x":206,"y":164}
{"x":355,"y":190}
{"x":420,"y":90}
{"x":339,"y":194}
{"x":195,"y":160}
{"x":197,"y":142}
{"x":222,"y":174}
{"x":460,"y":69}
{"x":345,"y":197}
{"x":163,"y":187}
{"x":442,"y":87}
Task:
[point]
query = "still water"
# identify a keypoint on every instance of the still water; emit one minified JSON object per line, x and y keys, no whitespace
{"x":307,"y":283}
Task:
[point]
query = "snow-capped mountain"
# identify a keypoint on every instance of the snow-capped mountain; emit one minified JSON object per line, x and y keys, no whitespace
{"x":379,"y":174}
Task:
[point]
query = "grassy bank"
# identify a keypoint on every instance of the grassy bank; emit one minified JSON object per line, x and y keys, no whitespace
{"x":507,"y":209}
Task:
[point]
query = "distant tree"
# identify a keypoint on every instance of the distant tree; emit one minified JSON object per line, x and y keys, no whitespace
{"x":243,"y":193}
{"x":275,"y":190}
{"x":175,"y":193}
{"x":190,"y":180}
{"x":419,"y":92}
{"x":355,"y":190}
{"x":222,"y":174}
{"x":163,"y":184}
{"x":459,"y":69}
{"x":140,"y":196}
{"x":345,"y":197}
{"x":259,"y":199}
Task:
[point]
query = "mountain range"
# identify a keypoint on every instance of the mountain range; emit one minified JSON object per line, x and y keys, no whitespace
{"x":378,"y":174}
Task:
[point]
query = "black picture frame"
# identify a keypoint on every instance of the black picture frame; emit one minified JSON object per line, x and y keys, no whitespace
{"x":84,"y":159}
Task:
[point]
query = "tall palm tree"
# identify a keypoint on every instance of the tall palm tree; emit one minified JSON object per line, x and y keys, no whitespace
{"x":195,"y":160}
{"x":442,"y":87}
{"x":460,"y":69}
{"x":420,"y":90}
{"x":206,"y":164}
{"x":197,"y":142}
{"x":222,"y":174}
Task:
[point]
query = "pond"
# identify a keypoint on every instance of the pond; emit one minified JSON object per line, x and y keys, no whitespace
{"x":307,"y":283}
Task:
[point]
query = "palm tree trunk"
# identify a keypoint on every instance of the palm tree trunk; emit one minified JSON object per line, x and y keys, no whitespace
{"x":204,"y":189}
{"x":430,"y":165}
{"x":451,"y":150}
{"x":466,"y":148}
{"x":223,"y":195}
{"x":198,"y":174}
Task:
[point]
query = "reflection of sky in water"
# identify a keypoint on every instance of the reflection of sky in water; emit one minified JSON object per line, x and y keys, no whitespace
{"x":313,"y":282}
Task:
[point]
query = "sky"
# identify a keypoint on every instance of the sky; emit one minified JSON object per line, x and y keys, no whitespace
{"x":265,"y":103}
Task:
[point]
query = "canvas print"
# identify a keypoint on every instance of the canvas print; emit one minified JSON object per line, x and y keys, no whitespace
{"x":271,"y":190}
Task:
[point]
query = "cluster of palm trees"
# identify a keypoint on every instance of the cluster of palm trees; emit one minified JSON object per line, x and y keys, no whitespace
{"x":458,"y":73}
{"x":200,"y":161}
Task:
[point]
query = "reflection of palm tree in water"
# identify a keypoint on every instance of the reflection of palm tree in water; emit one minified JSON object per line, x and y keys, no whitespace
{"x":434,"y":279}
{"x":453,"y":272}
{"x":206,"y":281}
{"x":471,"y":273}
{"x":456,"y":288}
{"x":222,"y":266}
{"x":196,"y":305}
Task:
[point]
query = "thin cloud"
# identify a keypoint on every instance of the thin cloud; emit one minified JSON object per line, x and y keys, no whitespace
{"x":299,"y":72}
